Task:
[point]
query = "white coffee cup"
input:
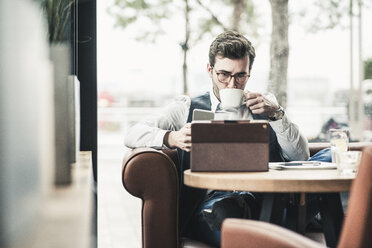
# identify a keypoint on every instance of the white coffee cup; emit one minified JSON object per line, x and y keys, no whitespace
{"x":231,"y":98}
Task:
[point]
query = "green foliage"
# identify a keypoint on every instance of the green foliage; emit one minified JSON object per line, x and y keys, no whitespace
{"x":150,"y":35}
{"x":211,"y":24}
{"x":128,"y":12}
{"x":330,"y":14}
{"x":252,"y":20}
{"x":368,"y":69}
{"x":206,"y":25}
{"x":327,"y":15}
{"x":58,"y":13}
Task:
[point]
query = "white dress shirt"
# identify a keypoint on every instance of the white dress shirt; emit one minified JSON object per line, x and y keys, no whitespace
{"x":150,"y":131}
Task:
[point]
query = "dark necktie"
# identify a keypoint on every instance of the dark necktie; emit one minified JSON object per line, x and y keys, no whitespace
{"x":218,"y":107}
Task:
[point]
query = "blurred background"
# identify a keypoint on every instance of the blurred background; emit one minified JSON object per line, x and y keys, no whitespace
{"x":74,"y":74}
{"x":48,"y":123}
{"x":65,"y":62}
{"x":315,"y":56}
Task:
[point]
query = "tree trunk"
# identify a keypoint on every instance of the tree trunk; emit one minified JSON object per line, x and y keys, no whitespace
{"x":238,"y":8}
{"x":185,"y":46}
{"x":184,"y":71}
{"x":279,"y":50}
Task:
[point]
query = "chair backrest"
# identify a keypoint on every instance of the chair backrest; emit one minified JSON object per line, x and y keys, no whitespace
{"x":357,"y":227}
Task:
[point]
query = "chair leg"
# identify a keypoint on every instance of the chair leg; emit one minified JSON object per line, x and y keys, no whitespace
{"x":301,"y":221}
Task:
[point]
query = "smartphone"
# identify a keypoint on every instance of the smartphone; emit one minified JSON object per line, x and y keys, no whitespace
{"x":202,"y":115}
{"x":299,"y":163}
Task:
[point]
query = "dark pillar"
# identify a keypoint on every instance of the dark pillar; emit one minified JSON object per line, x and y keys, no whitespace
{"x":87,"y":74}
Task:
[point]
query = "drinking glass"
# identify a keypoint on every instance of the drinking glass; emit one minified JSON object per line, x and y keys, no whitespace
{"x":348,"y":162}
{"x":339,"y":139}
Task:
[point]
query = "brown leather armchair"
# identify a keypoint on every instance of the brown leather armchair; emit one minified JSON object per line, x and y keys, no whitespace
{"x":356,"y":231}
{"x":151,"y":175}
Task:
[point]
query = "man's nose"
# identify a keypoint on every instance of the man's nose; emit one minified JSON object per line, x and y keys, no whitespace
{"x":231,"y":83}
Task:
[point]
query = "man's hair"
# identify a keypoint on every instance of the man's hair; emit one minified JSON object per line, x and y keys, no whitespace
{"x":232,"y":45}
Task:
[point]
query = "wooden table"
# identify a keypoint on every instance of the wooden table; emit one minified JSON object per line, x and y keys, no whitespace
{"x":279,"y":182}
{"x":272,"y":181}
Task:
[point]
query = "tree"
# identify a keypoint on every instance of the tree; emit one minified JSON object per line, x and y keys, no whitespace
{"x":328,"y":15}
{"x":242,"y":18}
{"x":352,"y":9}
{"x":279,"y":50}
{"x":368,"y":69}
{"x":128,"y":12}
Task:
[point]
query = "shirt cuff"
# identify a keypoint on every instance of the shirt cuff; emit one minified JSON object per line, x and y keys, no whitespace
{"x":159,"y":138}
{"x":280,"y":126}
{"x":165,"y":145}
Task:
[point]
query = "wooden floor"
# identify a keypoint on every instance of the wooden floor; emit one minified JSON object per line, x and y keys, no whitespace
{"x":119,"y":213}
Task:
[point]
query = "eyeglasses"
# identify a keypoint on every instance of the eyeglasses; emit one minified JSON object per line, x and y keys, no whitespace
{"x":225,"y":77}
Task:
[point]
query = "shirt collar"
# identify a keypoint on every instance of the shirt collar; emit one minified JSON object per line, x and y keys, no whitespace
{"x":214,"y":100}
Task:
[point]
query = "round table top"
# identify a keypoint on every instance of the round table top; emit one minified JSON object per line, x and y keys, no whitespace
{"x":321,"y":180}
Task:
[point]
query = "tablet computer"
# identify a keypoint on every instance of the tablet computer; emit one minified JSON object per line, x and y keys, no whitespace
{"x":202,"y":115}
{"x":230,"y":146}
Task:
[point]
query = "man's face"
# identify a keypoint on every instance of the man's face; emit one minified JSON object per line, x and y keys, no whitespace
{"x":223,"y":67}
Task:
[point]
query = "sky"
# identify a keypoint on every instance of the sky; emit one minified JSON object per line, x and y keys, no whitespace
{"x":127,"y":65}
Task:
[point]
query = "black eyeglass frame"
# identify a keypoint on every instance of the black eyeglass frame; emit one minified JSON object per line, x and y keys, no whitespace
{"x":230,"y":76}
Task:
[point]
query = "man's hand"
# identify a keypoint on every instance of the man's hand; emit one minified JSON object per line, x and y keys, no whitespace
{"x":260,"y":104}
{"x":181,"y":139}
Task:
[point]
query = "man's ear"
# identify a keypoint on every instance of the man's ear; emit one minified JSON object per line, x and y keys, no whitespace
{"x":209,"y":70}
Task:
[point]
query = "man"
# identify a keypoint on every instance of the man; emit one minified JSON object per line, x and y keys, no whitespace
{"x":231,"y":58}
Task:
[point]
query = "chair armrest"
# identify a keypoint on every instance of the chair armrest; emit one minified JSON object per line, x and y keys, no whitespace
{"x":353,"y":146}
{"x":152,"y":176}
{"x":238,"y":233}
{"x":316,"y":147}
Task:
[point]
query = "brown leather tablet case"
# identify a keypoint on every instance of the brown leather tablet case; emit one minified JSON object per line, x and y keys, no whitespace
{"x":230,"y":146}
